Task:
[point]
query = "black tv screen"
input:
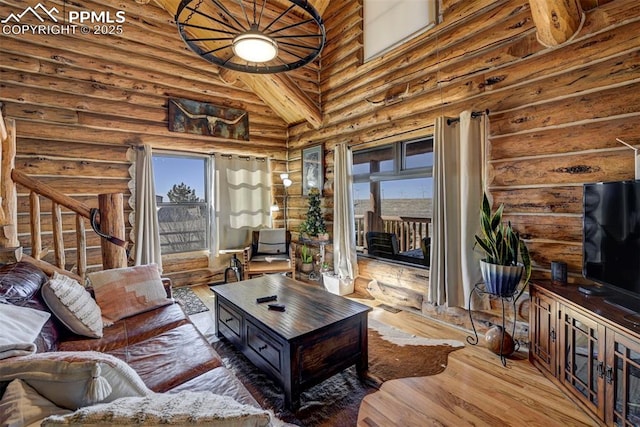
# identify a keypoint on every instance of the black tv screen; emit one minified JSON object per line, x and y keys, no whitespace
{"x":611,"y":234}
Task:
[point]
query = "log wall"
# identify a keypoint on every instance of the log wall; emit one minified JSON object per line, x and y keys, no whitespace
{"x":554,"y":112}
{"x":80,"y":101}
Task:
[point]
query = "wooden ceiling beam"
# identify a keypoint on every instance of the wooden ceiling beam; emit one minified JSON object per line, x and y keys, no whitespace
{"x":278,"y":91}
{"x":284,"y":96}
{"x":556,"y":21}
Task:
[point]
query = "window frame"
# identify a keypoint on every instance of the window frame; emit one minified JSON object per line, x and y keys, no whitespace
{"x":432,"y":7}
{"x":400,"y":172}
{"x":207,"y":204}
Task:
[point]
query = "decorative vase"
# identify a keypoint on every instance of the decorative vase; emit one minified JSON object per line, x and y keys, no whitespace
{"x":493,"y":337}
{"x":501,"y":280}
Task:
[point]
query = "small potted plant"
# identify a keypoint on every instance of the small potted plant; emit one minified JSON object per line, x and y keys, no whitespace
{"x":506,"y":255}
{"x":306,"y":256}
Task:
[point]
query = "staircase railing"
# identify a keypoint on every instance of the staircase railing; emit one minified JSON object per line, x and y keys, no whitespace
{"x":109,"y":226}
{"x":107,"y":221}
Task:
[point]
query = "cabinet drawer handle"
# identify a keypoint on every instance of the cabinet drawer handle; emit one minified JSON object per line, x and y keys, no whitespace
{"x":600,"y":369}
{"x":553,"y":335}
{"x":228,"y":320}
{"x":609,"y":375}
{"x":264,"y":347}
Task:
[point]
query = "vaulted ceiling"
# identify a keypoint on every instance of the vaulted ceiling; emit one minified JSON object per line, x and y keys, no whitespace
{"x":294,"y":95}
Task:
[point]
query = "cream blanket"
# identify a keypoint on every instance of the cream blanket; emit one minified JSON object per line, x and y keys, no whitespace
{"x":20,"y":328}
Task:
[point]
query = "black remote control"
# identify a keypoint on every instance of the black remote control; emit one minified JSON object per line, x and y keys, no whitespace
{"x":276,"y":307}
{"x":266,"y":299}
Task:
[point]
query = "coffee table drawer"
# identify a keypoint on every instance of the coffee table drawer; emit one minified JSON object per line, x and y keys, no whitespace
{"x":265,"y":346}
{"x":230,"y":320}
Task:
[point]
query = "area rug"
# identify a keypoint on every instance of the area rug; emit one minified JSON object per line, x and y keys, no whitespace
{"x":396,"y":354}
{"x":336,"y":401}
{"x":189,"y":300}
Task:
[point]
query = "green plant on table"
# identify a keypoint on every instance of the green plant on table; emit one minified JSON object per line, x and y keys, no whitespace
{"x":306,"y":255}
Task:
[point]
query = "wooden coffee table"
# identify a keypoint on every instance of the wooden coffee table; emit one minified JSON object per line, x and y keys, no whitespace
{"x":318,"y":335}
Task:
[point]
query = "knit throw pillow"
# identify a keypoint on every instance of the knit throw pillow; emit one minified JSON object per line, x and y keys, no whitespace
{"x":184,"y":408}
{"x":76,"y":378}
{"x":124,"y":292}
{"x":72,"y":304}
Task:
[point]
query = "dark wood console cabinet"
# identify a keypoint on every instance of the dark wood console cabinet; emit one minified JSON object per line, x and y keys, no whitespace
{"x":590,"y":348}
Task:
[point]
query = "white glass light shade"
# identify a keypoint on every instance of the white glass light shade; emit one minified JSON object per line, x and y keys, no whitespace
{"x":287,"y":182}
{"x":275,"y":207}
{"x":284,"y":176}
{"x":255,"y":47}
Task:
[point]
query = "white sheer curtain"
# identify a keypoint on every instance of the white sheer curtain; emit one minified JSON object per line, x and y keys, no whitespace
{"x":242,"y":199}
{"x":344,"y":245}
{"x":147,"y":230}
{"x":458,"y":174}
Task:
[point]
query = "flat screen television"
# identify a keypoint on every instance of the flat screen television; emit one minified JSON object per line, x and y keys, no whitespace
{"x":611,"y":239}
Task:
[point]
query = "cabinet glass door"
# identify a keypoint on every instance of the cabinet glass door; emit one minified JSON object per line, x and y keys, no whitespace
{"x":543,"y":314}
{"x":583,"y":359}
{"x":624,"y":382}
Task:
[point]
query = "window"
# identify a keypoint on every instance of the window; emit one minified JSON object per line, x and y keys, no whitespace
{"x":393,"y":192}
{"x":182,"y":198}
{"x":388,"y":23}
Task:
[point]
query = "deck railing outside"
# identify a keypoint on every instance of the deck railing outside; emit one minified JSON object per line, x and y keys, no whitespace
{"x":409,"y":230}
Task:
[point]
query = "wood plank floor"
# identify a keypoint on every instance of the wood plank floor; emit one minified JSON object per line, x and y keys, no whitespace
{"x":474,"y":390}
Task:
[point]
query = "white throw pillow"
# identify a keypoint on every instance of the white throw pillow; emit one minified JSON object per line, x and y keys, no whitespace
{"x":124,"y":292}
{"x":21,"y":405}
{"x":185,"y":408}
{"x":73,"y":305}
{"x":272,"y":241}
{"x":20,"y":327}
{"x":76,"y":378}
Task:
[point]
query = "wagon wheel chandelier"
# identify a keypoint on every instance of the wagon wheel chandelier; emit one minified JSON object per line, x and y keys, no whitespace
{"x":253,"y":36}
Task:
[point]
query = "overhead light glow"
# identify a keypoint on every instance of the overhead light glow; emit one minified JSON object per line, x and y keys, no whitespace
{"x":254,"y":46}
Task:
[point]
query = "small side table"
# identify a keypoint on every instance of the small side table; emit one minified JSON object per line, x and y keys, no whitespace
{"x":235,"y":265}
{"x":473,"y":340}
{"x":321,"y":244}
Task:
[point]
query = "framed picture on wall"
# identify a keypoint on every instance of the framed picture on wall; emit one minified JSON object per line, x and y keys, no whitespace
{"x":312,"y":169}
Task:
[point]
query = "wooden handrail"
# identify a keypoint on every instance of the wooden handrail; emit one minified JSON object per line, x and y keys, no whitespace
{"x":113,"y":255}
{"x":51,"y":193}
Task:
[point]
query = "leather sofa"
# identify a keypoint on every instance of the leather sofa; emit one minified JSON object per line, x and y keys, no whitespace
{"x":161,"y":345}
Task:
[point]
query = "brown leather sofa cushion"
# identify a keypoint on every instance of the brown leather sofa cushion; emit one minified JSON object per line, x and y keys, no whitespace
{"x":226,"y":384}
{"x":170,"y":358}
{"x":161,"y":345}
{"x":19,"y":282}
{"x":129,"y":330}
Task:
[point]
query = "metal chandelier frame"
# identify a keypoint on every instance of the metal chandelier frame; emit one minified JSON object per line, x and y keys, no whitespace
{"x":209,"y":28}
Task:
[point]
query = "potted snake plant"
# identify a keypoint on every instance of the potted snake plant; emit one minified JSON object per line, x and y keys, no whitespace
{"x":506,"y":255}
